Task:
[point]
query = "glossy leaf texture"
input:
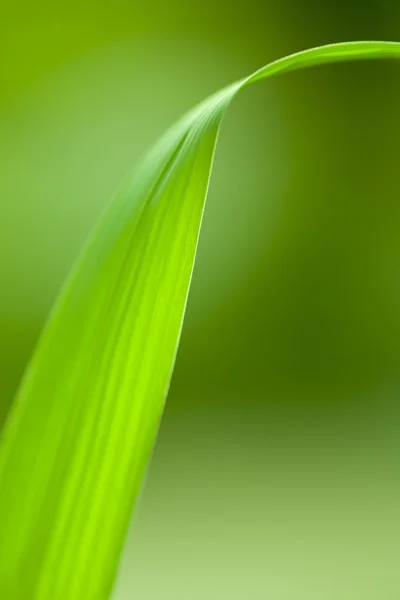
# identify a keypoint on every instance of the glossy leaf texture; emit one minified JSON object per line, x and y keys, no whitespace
{"x":82,"y":427}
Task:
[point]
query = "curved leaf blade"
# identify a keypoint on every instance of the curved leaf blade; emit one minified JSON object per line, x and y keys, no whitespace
{"x":83,"y":424}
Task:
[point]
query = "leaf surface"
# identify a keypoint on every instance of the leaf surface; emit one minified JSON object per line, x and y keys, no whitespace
{"x":83,"y":424}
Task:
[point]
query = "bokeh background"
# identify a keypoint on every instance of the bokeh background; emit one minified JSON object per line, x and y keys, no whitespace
{"x":277,"y":469}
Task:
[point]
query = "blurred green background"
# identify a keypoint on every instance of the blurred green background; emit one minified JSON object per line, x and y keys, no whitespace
{"x":276,"y":473}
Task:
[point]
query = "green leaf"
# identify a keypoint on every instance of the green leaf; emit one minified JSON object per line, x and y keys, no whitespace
{"x":83,"y":425}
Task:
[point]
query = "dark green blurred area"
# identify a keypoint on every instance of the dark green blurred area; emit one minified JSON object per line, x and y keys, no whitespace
{"x":276,"y":470}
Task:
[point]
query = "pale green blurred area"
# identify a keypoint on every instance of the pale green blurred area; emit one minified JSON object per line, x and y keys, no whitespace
{"x":276,"y":474}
